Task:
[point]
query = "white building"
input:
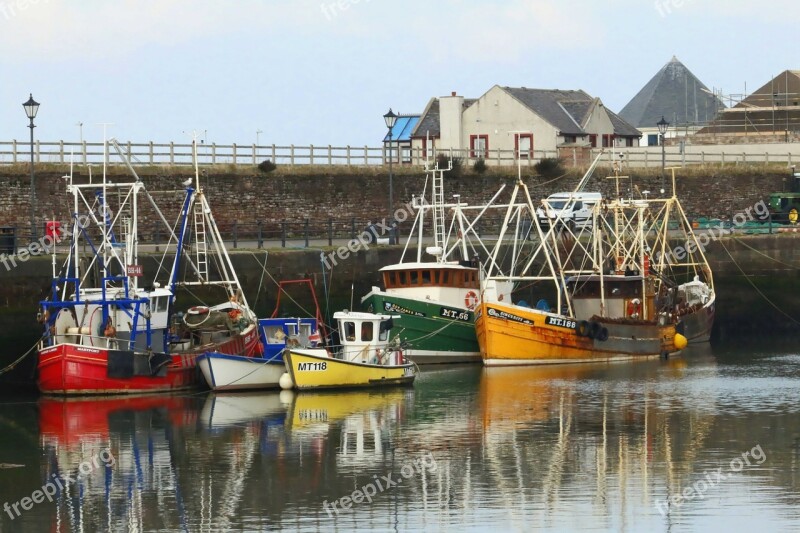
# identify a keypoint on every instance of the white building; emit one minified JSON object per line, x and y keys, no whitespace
{"x":510,"y":122}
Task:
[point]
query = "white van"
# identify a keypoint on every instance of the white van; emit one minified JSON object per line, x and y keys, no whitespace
{"x":568,"y":208}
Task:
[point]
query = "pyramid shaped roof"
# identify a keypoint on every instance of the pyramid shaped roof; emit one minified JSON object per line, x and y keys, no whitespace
{"x":674,"y":93}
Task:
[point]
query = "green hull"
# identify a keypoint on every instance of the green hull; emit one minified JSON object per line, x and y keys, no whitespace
{"x":437,"y":333}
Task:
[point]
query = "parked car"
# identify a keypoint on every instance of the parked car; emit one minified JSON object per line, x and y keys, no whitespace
{"x":572,"y":209}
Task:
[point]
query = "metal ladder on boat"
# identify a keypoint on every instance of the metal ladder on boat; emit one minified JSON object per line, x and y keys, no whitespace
{"x":201,"y":248}
{"x":438,"y":207}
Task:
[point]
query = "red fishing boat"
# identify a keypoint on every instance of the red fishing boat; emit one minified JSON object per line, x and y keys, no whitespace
{"x":106,"y":333}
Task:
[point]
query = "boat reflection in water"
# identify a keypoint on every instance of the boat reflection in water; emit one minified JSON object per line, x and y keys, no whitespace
{"x":548,"y":447}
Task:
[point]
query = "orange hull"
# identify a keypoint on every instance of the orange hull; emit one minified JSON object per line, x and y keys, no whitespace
{"x":513,"y":335}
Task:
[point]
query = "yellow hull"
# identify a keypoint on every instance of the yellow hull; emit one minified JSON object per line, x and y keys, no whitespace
{"x":310,"y":410}
{"x":311,"y":371}
{"x":512,"y":335}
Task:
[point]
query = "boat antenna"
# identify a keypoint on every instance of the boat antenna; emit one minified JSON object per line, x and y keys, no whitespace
{"x":352,"y":290}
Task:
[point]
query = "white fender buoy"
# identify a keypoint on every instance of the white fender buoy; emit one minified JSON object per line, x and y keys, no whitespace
{"x":286,"y":382}
{"x":286,"y":397}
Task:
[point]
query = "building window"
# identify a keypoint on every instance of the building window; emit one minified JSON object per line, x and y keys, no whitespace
{"x":607,"y":140}
{"x":523,"y":145}
{"x":593,"y":140}
{"x":628,"y":141}
{"x":570,"y":139}
{"x":479,"y":146}
{"x":405,"y":154}
{"x":652,"y":139}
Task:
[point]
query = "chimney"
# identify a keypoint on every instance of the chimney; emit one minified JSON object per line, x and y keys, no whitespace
{"x":450,"y":127}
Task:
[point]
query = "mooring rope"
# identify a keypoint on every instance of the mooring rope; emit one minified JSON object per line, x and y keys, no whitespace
{"x":766,"y":299}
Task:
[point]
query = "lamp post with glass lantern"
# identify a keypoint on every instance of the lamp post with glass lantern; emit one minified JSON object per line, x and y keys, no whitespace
{"x":662,"y":130}
{"x":31,"y":108}
{"x":390,"y":118}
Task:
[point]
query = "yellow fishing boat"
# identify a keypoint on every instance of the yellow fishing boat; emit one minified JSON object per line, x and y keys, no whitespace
{"x":365,"y":358}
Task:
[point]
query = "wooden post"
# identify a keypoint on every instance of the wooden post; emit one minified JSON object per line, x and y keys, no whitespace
{"x":14,"y":151}
{"x":273,"y":154}
{"x":254,"y":155}
{"x":310,"y":154}
{"x":84,"y":152}
{"x":151,"y":152}
{"x":171,"y":153}
{"x":348,"y":155}
{"x":61,"y":151}
{"x":330,"y":155}
{"x":234,"y":153}
{"x":213,"y":153}
{"x":366,"y":155}
{"x":291,"y":155}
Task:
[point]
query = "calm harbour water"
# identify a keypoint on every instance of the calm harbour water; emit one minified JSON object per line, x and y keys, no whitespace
{"x":559,"y":448}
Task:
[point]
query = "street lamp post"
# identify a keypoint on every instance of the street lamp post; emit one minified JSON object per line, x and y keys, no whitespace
{"x":662,"y":130}
{"x":390,"y":118}
{"x":31,"y":108}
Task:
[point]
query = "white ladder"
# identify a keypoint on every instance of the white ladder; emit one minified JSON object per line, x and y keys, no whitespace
{"x":201,"y":248}
{"x":438,"y":207}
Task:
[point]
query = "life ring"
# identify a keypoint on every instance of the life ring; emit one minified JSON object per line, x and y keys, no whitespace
{"x":634,"y":308}
{"x":471,"y":300}
{"x":198,"y":310}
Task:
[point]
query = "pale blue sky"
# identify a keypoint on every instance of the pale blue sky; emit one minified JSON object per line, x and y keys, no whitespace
{"x":309,"y":71}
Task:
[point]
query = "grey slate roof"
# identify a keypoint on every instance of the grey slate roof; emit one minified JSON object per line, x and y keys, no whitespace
{"x":567,"y":110}
{"x":429,"y":123}
{"x":621,"y":127}
{"x":548,"y":104}
{"x":675,"y":93}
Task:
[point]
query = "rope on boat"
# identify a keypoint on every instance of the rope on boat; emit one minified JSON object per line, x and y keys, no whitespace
{"x":795,"y":267}
{"x":10,"y":367}
{"x":764,"y":296}
{"x":261,"y":280}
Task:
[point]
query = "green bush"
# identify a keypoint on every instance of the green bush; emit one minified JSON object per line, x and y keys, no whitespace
{"x":549,"y":167}
{"x":267,"y":166}
{"x":479,"y":166}
{"x":444,"y":160}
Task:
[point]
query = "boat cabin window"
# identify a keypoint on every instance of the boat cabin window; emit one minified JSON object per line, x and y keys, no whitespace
{"x":159,"y":304}
{"x":292,"y":328}
{"x":386,"y":325}
{"x":413,"y":277}
{"x":349,"y":331}
{"x":305,"y":330}
{"x":274,"y":335}
{"x":367,"y":331}
{"x":426,"y":277}
{"x":613,"y":289}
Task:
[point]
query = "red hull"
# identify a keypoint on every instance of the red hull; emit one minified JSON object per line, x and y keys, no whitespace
{"x":75,"y":369}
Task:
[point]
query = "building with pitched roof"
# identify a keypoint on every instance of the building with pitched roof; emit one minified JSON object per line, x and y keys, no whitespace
{"x":769,"y":114}
{"x":507,"y":123}
{"x":678,"y":96}
{"x":400,"y":147}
